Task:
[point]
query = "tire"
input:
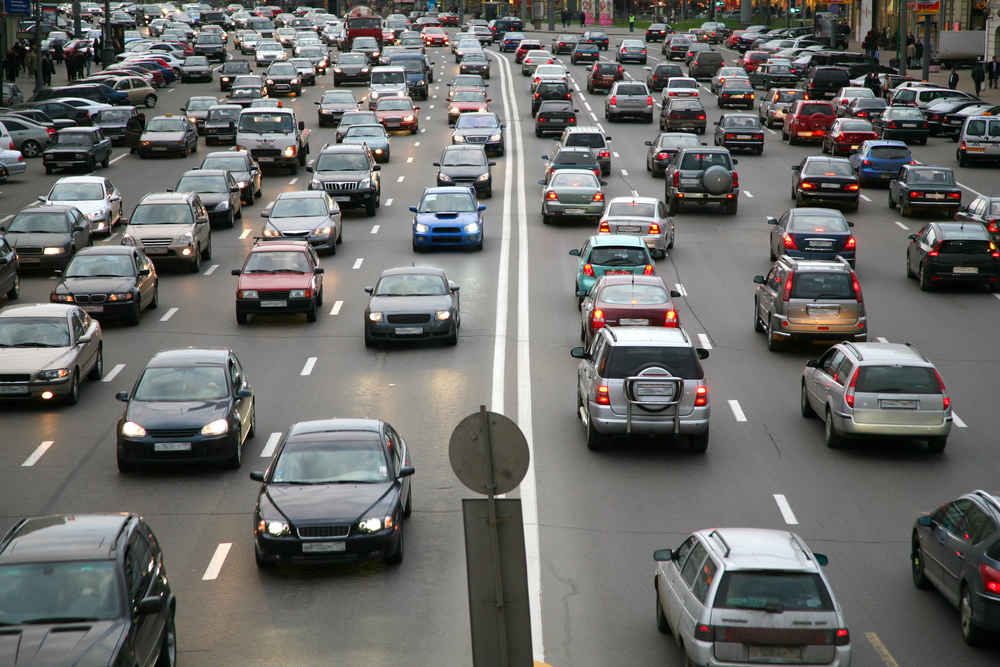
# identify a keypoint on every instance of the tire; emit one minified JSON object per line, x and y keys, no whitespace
{"x":904,"y":210}
{"x":312,"y":313}
{"x":195,"y":266}
{"x":937,"y":444}
{"x":972,"y":635}
{"x":408,"y":507}
{"x":661,"y":619}
{"x":397,"y":558}
{"x":925,"y":285}
{"x":168,"y":649}
{"x":833,"y":439}
{"x":91,"y":165}
{"x":150,"y":101}
{"x":206,"y":254}
{"x":920,"y":579}
{"x":133,"y":318}
{"x":48,"y":170}
{"x":97,"y":372}
{"x":155,"y":302}
{"x":804,"y":407}
{"x":15,"y":290}
{"x":732,"y":207}
{"x":74,"y":390}
{"x":774,"y":344}
{"x":758,"y":326}
{"x":250,"y":200}
{"x":892,"y":202}
{"x":241,"y":317}
{"x":962,"y":161}
{"x":370,"y":208}
{"x":236,"y":460}
{"x":673,"y":206}
{"x":595,"y":441}
{"x":293,"y":169}
{"x":698,"y":443}
{"x":31,"y":148}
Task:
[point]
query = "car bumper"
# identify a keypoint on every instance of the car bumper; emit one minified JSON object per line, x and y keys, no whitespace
{"x":220,"y":136}
{"x":704,"y":197}
{"x":846,"y":425}
{"x":573,"y":210}
{"x":330,"y":117}
{"x":36,"y":390}
{"x":435,"y":239}
{"x":355,"y":548}
{"x":607,"y":422}
{"x":27,"y":262}
{"x":147,"y":151}
{"x":59,"y":164}
{"x":946,"y":274}
{"x":735,"y":101}
{"x":224,"y":215}
{"x":632,"y":58}
{"x":641,"y":111}
{"x":742,"y":143}
{"x":930,"y":205}
{"x":15,"y":168}
{"x":197,"y":76}
{"x":849,"y":255}
{"x":834,"y":197}
{"x":480,"y":186}
{"x":975,"y":155}
{"x":284,"y":89}
{"x":870,"y":174}
{"x":202,"y":449}
{"x":702,"y":654}
{"x":349,"y":198}
{"x":171,"y":254}
{"x":283,"y":306}
{"x":553,"y":126}
{"x":905,"y":134}
{"x":417,"y":90}
{"x":852,"y":331}
{"x":685,"y":124}
{"x":424,"y":331}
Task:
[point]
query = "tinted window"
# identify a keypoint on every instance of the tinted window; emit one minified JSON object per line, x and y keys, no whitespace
{"x":965,"y":246}
{"x":575,"y":157}
{"x":643,"y":295}
{"x":706,"y":575}
{"x":951,"y":515}
{"x":817,"y":224}
{"x":890,"y":153}
{"x":186,"y":383}
{"x":360,"y":460}
{"x":34,"y":332}
{"x":627,"y":361}
{"x":810,"y":109}
{"x":590,"y":140}
{"x":700,"y":161}
{"x":87,"y":589}
{"x":29,"y":222}
{"x":798,"y":591}
{"x":637,"y":209}
{"x":631,"y":90}
{"x":160,"y":214}
{"x":898,"y":379}
{"x":300,"y":208}
{"x":978,"y":525}
{"x":931,"y":176}
{"x":817,"y":285}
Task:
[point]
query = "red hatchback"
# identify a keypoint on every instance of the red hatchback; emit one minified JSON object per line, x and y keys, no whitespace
{"x":807,"y":121}
{"x":751,"y":59}
{"x":846,"y":134}
{"x":279,"y":277}
{"x":622,"y":301}
{"x":525,"y":46}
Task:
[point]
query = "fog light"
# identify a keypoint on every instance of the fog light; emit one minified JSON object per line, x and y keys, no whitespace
{"x":186,"y":251}
{"x":47,"y":394}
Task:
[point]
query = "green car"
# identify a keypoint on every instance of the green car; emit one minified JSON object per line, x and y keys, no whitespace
{"x":610,"y":254}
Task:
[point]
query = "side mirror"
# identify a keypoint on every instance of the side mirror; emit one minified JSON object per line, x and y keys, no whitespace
{"x":309,"y":169}
{"x":413,"y":209}
{"x":482,"y":207}
{"x":912,"y":237}
{"x":545,"y":157}
{"x":406,"y":471}
{"x":451,"y":126}
{"x":265,"y":214}
{"x":821,"y":559}
{"x":574,"y":252}
{"x":772,"y":221}
{"x":151,"y":605}
{"x":604,"y":183}
{"x":850,"y":224}
{"x":184,"y":109}
{"x":759,"y":280}
{"x":491,"y":164}
{"x":735,"y":161}
{"x":489,"y":100}
{"x":455,"y":288}
{"x":541,"y":182}
{"x":122,"y":396}
{"x":715,"y":123}
{"x":302,"y":125}
{"x":377,"y":167}
{"x":812,"y":363}
{"x":236,"y":272}
{"x":40,"y":198}
{"x":674,"y":294}
{"x":925,"y":521}
{"x":702,"y":352}
{"x":581,"y":292}
{"x":244,"y":393}
{"x":143,"y":272}
{"x":663,"y":555}
{"x":436,"y":164}
{"x":317,"y":104}
{"x":648,"y":143}
{"x":579,"y":353}
{"x":257,"y":476}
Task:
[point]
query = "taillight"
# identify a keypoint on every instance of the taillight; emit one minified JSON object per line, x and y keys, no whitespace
{"x":944,"y":391}
{"x":537,"y":95}
{"x":604,"y":153}
{"x":867,"y":162}
{"x":857,"y":287}
{"x":602,"y":395}
{"x":51,"y":131}
{"x":677,"y":180}
{"x":954,"y":195}
{"x":551,"y":195}
{"x":597,"y":172}
{"x":664,"y":156}
{"x":649,"y":100}
{"x":604,"y":227}
{"x":915,"y":195}
{"x":842,"y":637}
{"x":934,"y":250}
{"x":703,"y":632}
{"x":790,"y":245}
{"x":925,"y":126}
{"x":862,"y":114}
{"x":849,"y":396}
{"x":671,"y":319}
{"x":648,"y":271}
{"x":588,"y":270}
{"x":701,"y":117}
{"x":597,"y":319}
{"x":614,"y":100}
{"x":654,"y":228}
{"x":851,"y":244}
{"x":786,"y":294}
{"x":992,"y":226}
{"x":806,"y":185}
{"x":736,"y":180}
{"x":598,"y":196}
{"x":852,"y":186}
{"x":892,"y":123}
{"x":730,"y":136}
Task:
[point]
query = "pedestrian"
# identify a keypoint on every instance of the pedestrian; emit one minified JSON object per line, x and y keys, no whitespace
{"x":47,"y":69}
{"x":30,"y":63}
{"x":953,"y":79}
{"x":911,"y":55}
{"x":11,"y":64}
{"x":993,"y":69}
{"x":583,"y":19}
{"x":142,"y":121}
{"x":920,"y":53}
{"x":631,"y":23}
{"x":70,"y":64}
{"x":978,"y":74}
{"x":59,"y":53}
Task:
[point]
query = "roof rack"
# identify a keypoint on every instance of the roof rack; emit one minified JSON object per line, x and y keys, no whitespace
{"x":717,"y":535}
{"x":611,"y":332}
{"x":914,"y":348}
{"x":855,"y":350}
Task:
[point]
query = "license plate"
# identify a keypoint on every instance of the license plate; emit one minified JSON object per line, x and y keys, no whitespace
{"x":617,"y":273}
{"x":886,"y":177}
{"x":172,"y":447}
{"x":273,"y":304}
{"x":934,"y":195}
{"x":830,"y":185}
{"x":323,"y":547}
{"x":737,"y":96}
{"x":909,"y":124}
{"x":341,"y":199}
{"x":14,"y":390}
{"x":93,"y":309}
{"x":628,"y":229}
{"x":970,"y":149}
{"x":574,"y":211}
{"x":854,"y":148}
{"x":745,"y":137}
{"x":634,"y":322}
{"x":654,"y":390}
{"x":896,"y":404}
{"x":775,"y":653}
{"x":265,"y":159}
{"x":827,"y":311}
{"x":820,"y":244}
{"x":392,"y":124}
{"x":805,"y":134}
{"x":156,"y":251}
{"x":965,"y":269}
{"x":156,"y":148}
{"x":70,"y":164}
{"x":689,"y":182}
{"x":409,"y":331}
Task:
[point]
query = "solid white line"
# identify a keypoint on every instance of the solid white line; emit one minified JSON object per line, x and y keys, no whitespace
{"x":705,"y":342}
{"x":108,"y":377}
{"x":37,"y":454}
{"x":957,"y":420}
{"x":169,"y":314}
{"x":293,"y":181}
{"x":272,"y":444}
{"x":400,"y":179}
{"x":212,"y":572}
{"x":968,"y":188}
{"x":624,"y":173}
{"x":786,"y":509}
{"x":308,"y":368}
{"x":336,"y":308}
{"x":881,"y":339}
{"x":211,"y":269}
{"x":358,"y":261}
{"x":747,"y":194}
{"x":865,"y":198}
{"x":902,"y":225}
{"x":680,"y":288}
{"x":388,"y":202}
{"x":246,"y":233}
{"x":734,"y":405}
{"x":409,"y":160}
{"x":375,"y":229}
{"x":503,"y":277}
{"x":118,"y":158}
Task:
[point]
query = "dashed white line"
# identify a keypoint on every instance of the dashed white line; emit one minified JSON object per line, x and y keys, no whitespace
{"x":388,"y":202}
{"x":231,"y":148}
{"x":211,"y":269}
{"x":432,"y":106}
{"x":786,"y":509}
{"x":308,"y":368}
{"x":246,"y":233}
{"x":734,"y":405}
{"x":416,"y":143}
{"x":357,"y":262}
{"x":336,"y":308}
{"x":215,"y":565}
{"x":615,"y":154}
{"x":423,"y":129}
{"x":593,"y":115}
{"x":635,"y":193}
{"x":588,"y":106}
{"x":272,"y":444}
{"x":705,"y":342}
{"x":996,"y":295}
{"x":902,"y":225}
{"x":108,"y":377}
{"x":881,"y":339}
{"x":169,"y":314}
{"x":434,"y":97}
{"x":747,"y":193}
{"x":118,"y":158}
{"x":770,"y":130}
{"x":293,"y":181}
{"x":427,"y":117}
{"x":409,"y":159}
{"x":375,"y":229}
{"x":624,"y":173}
{"x":680,"y":288}
{"x":400,"y":179}
{"x":958,"y":421}
{"x":865,"y":198}
{"x":37,"y":454}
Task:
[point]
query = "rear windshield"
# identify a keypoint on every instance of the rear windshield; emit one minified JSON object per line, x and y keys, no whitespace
{"x":695,"y":160}
{"x":612,"y":256}
{"x":810,"y":109}
{"x":817,"y":223}
{"x":791,"y":95}
{"x":576,"y":157}
{"x":641,"y":295}
{"x":828,"y":169}
{"x":978,"y":128}
{"x":856,"y":126}
{"x":932,"y":176}
{"x":897,"y":379}
{"x":773,"y":591}
{"x":834,"y":285}
{"x":890,"y":152}
{"x":906,"y":113}
{"x":626,"y":361}
{"x":631,"y":90}
{"x":632,"y":209}
{"x":965,"y":246}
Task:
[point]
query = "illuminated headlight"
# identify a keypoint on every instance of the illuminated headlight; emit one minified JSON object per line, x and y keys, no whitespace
{"x":374,"y":95}
{"x":472,"y":227}
{"x":247,"y":294}
{"x":421,"y":82}
{"x":323,"y":230}
{"x":242,"y":184}
{"x":54,"y":251}
{"x":63,"y":298}
{"x":290,"y":151}
{"x":55,"y":374}
{"x":375,"y":55}
{"x":144,"y":143}
{"x":484,"y":177}
{"x":365,"y":183}
{"x":127,"y":296}
{"x":277,"y":528}
{"x":445,"y":178}
{"x":421,"y":228}
{"x":218,"y":427}
{"x":495,"y":137}
{"x":186,"y":239}
{"x":133,"y":430}
{"x":295,"y":82}
{"x":298,"y":294}
{"x":271,"y":232}
{"x":337,"y":70}
{"x":364,"y":70}
{"x":269,"y":82}
{"x":222,"y":206}
{"x":408,"y":119}
{"x":192,"y":119}
{"x":375,"y":317}
{"x":443,"y":315}
{"x":374,"y":524}
{"x":483,"y":109}
{"x":459,"y":139}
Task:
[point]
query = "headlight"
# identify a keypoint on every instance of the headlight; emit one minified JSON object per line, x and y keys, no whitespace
{"x":378,"y":150}
{"x":421,"y":82}
{"x":483,"y":109}
{"x":271,"y":232}
{"x":297,"y":294}
{"x":337,"y":70}
{"x":277,"y":528}
{"x":444,"y":177}
{"x":218,"y":427}
{"x":459,"y":139}
{"x":484,"y":177}
{"x":323,"y":230}
{"x":222,"y":206}
{"x":295,"y":82}
{"x":421,"y":228}
{"x":54,"y":251}
{"x":186,"y":239}
{"x":268,"y":82}
{"x":364,"y":70}
{"x":56,"y":374}
{"x":242,"y":184}
{"x":374,"y":95}
{"x":365,"y":183}
{"x":495,"y":137}
{"x":247,"y":294}
{"x":315,"y":185}
{"x":128,"y":240}
{"x":291,"y":150}
{"x":408,"y":119}
{"x":471,"y":227}
{"x":443,"y":315}
{"x":375,"y":317}
{"x":80,"y":156}
{"x":63,"y":298}
{"x":133,"y":430}
{"x":375,"y":524}
{"x":126,"y":296}
{"x":95,"y":214}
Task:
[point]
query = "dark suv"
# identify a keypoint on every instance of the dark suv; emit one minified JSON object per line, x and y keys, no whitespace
{"x":87,"y":589}
{"x":547,"y":91}
{"x":953,"y":252}
{"x":702,"y":176}
{"x":349,"y":173}
{"x":822,"y":83}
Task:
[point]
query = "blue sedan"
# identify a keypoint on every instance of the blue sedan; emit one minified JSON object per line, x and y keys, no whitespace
{"x":448,"y":217}
{"x":879,"y":160}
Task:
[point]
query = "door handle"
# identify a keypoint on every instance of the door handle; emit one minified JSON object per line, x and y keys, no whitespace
{"x":960,"y":556}
{"x":940,"y":541}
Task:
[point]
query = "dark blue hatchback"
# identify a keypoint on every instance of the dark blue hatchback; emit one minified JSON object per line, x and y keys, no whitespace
{"x":812,"y":233}
{"x":879,"y":160}
{"x":448,"y":217}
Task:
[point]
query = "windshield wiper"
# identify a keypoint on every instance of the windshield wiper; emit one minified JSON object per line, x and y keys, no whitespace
{"x":289,"y":271}
{"x":59,"y":619}
{"x":35,"y":345}
{"x":771,"y":607}
{"x":831,"y":296}
{"x":260,"y":271}
{"x":101,"y":275}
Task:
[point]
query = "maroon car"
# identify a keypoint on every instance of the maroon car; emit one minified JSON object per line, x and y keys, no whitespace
{"x":602,"y":76}
{"x":808,"y":120}
{"x":846,"y":134}
{"x":629,"y":300}
{"x":279,"y":277}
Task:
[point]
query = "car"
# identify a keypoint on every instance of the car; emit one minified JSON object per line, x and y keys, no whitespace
{"x":879,"y":160}
{"x":627,"y":301}
{"x":112,"y":569}
{"x":269,"y":51}
{"x":535,"y":58}
{"x":663,"y":147}
{"x":657,"y":32}
{"x":703,"y":64}
{"x":475,"y":63}
{"x":12,"y":95}
{"x":706,"y":576}
{"x":549,"y":90}
{"x":334,"y":104}
{"x":115,"y":125}
{"x":480,"y":128}
{"x":304,"y":70}
{"x":351,"y":68}
{"x":846,"y":387}
{"x":171,"y":228}
{"x":957,"y":252}
{"x":242,"y":167}
{"x":169,"y":135}
{"x":657,"y":77}
{"x":807,"y":120}
{"x":564,"y":43}
{"x":629,"y":98}
{"x":592,"y":137}
{"x":822,"y":82}
{"x":984,"y":209}
{"x":675,"y":47}
{"x":196,"y":68}
{"x":46,"y":236}
{"x":350,"y":173}
{"x":58,"y":110}
{"x":94,"y":196}
{"x":603,"y":76}
{"x":922,"y":187}
{"x":310,"y":215}
{"x":436,"y":36}
{"x":954,"y":124}
{"x":220,"y":123}
{"x":813,"y":233}
{"x":977,"y":138}
{"x":773,"y":75}
{"x":721,"y":75}
{"x":523,"y":48}
{"x":702,"y":175}
{"x":466,"y":101}
{"x":350,"y":118}
{"x":739,"y":131}
{"x":694,"y":49}
{"x":608,"y":254}
{"x":374,"y":136}
{"x":412,"y":296}
{"x":109,"y":282}
{"x":631,"y":50}
{"x":317,"y":55}
{"x":511,"y":40}
{"x":809,"y":300}
{"x":27,"y":136}
{"x":279,"y":276}
{"x":220,"y":410}
{"x":846,"y":135}
{"x":468,"y":166}
{"x":283,"y":77}
{"x":196,"y":110}
{"x":904,"y":123}
{"x":386,"y":82}
{"x":735,"y":91}
{"x":331,"y":519}
{"x":571,"y":157}
{"x":598,"y":37}
{"x":938,"y":111}
{"x":448,"y":217}
{"x":843,"y":97}
{"x":774,"y":103}
{"x":245,"y":93}
{"x":645,"y":216}
{"x":74,"y":147}
{"x":398,"y":114}
{"x":822,"y":180}
{"x":219,"y":192}
{"x":584,"y":53}
{"x":554,"y":116}
{"x":10,"y":272}
{"x":679,"y":87}
{"x":463,"y":47}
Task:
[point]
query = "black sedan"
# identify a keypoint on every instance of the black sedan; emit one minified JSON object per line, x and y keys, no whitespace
{"x":825,"y":180}
{"x":188,"y":405}
{"x":919,"y":187}
{"x":662,"y":148}
{"x":337,"y":491}
{"x":78,"y":147}
{"x":865,"y":108}
{"x":657,"y":32}
{"x":109,"y":282}
{"x":466,"y":165}
{"x":242,"y":167}
{"x":985,"y":210}
{"x":283,"y":78}
{"x":554,"y":116}
{"x":47,"y":236}
{"x":953,"y":252}
{"x":735,"y":92}
{"x":412,"y":303}
{"x":230,"y":71}
{"x":480,"y":128}
{"x":740,"y":130}
{"x":903,"y":123}
{"x":219,"y":192}
{"x":812,"y":233}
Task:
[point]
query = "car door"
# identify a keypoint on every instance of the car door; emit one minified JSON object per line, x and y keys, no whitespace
{"x":684,"y":614}
{"x":8,"y":269}
{"x":243,"y":406}
{"x":822,"y":379}
{"x":972,"y":212}
{"x":317,"y":280}
{"x":147,"y":282}
{"x":114,"y":201}
{"x":671,"y":590}
{"x":588,"y":373}
{"x":202,"y":230}
{"x":398,"y":455}
{"x":767,"y":293}
{"x":139,"y":568}
{"x":104,"y":145}
{"x":947,"y":523}
{"x":896,"y":185}
{"x":86,"y":352}
{"x":778,"y":230}
{"x":957,"y":553}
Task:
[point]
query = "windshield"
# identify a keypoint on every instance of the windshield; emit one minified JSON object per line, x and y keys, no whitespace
{"x":394,"y":105}
{"x":810,"y":109}
{"x":411,"y":285}
{"x":816,"y":285}
{"x":381,"y":78}
{"x":903,"y":114}
{"x":39,"y":222}
{"x":185,"y":383}
{"x":773,"y":589}
{"x":447,"y":202}
{"x":856,"y":126}
{"x":285,"y":69}
{"x":890,"y":152}
{"x":339,"y":98}
{"x":246,"y":91}
{"x":209,"y":39}
{"x":358,"y":461}
{"x":468,"y":96}
{"x":266,"y":123}
{"x":77,"y":192}
{"x":467,"y":120}
{"x":632,"y":209}
{"x":636,"y":295}
{"x":365,"y":43}
{"x":299,"y":208}
{"x":73,"y":138}
{"x":203,"y":184}
{"x":701,"y":161}
{"x":34,"y":332}
{"x":364,"y":23}
{"x":352,"y":59}
{"x":342,"y":162}
{"x":463,"y":158}
{"x":311,"y":52}
{"x":626,"y":361}
{"x":631,"y":90}
{"x":365,"y":131}
{"x":114,"y":115}
{"x":162,"y":214}
{"x":103,"y":266}
{"x":57,"y":592}
{"x":277,"y":261}
{"x":165,"y":125}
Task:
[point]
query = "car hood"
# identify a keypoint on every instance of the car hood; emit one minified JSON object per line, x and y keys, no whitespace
{"x":388,"y":88}
{"x":31,"y":359}
{"x":210,"y":199}
{"x":95,"y":285}
{"x":337,"y":106}
{"x":477,"y":131}
{"x":464,"y":172}
{"x":176,"y":414}
{"x":59,"y":645}
{"x":157,"y":231}
{"x":340,"y":176}
{"x":342,"y":503}
{"x":87,"y":206}
{"x":352,"y":67}
{"x":305,"y":223}
{"x":31,"y":239}
{"x":373,"y":142}
{"x":409,"y":304}
{"x":162,"y":136}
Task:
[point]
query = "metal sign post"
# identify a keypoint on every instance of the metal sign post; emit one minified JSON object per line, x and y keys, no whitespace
{"x":491,"y":502}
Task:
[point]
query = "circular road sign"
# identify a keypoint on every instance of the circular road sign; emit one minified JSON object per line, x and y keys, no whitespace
{"x":509,"y":459}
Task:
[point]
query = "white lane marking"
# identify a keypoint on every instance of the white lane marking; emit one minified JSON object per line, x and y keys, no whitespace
{"x":336,"y":308}
{"x":996,"y":295}
{"x":615,"y":154}
{"x":375,"y":229}
{"x":748,"y":194}
{"x":293,"y":181}
{"x":957,"y":420}
{"x":434,"y":97}
{"x":423,"y":129}
{"x":246,"y":233}
{"x":705,"y":342}
{"x":108,"y":377}
{"x":416,"y":143}
{"x":357,"y":262}
{"x":118,"y":158}
{"x":786,"y":509}
{"x":882,"y":339}
{"x":586,"y":104}
{"x":308,"y":368}
{"x":272,"y":444}
{"x":624,"y":173}
{"x":6,"y":218}
{"x":311,"y":161}
{"x":966,"y":187}
{"x":432,"y":106}
{"x":770,"y":130}
{"x":215,"y":565}
{"x":902,"y":225}
{"x":593,"y":115}
{"x":400,"y":179}
{"x":734,"y":405}
{"x":388,"y":202}
{"x":409,"y":159}
{"x":865,"y":198}
{"x":427,"y":117}
{"x":231,"y":148}
{"x":37,"y":454}
{"x":169,"y":314}
{"x":635,"y":193}
{"x":211,"y":269}
{"x":680,"y":288}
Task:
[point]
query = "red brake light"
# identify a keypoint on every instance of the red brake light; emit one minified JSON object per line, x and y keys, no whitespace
{"x":604,"y":227}
{"x":790,"y":245}
{"x":597,"y":319}
{"x":664,"y":156}
{"x":537,"y":95}
{"x":654,"y":228}
{"x":649,"y":100}
{"x":598,"y":196}
{"x":551,"y":195}
{"x":992,"y":226}
{"x":703,"y":632}
{"x":648,"y":271}
{"x":701,"y":117}
{"x":954,"y":195}
{"x":857,"y":287}
{"x":853,"y":186}
{"x":786,"y":294}
{"x":701,"y":396}
{"x":851,"y":244}
{"x":849,"y":396}
{"x":842,"y":637}
{"x":934,"y":251}
{"x":671,"y":319}
{"x":736,"y":180}
{"x":588,"y":271}
{"x":944,"y":391}
{"x":614,"y":100}
{"x":602,"y":395}
{"x":677,"y":180}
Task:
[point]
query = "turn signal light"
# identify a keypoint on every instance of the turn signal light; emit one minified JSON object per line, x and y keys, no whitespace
{"x":603,"y":398}
{"x":701,"y":396}
{"x":588,"y":270}
{"x":944,"y":391}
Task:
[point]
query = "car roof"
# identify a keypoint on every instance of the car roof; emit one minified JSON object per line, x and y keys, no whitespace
{"x":814,"y":210}
{"x":888,"y":352}
{"x":107,"y":250}
{"x":413,"y":270}
{"x":303,"y":194}
{"x":168,"y":198}
{"x":621,"y":240}
{"x":661,"y":336}
{"x":459,"y":189}
{"x":79,"y":179}
{"x":634,"y":200}
{"x":242,"y":154}
{"x":342,"y":148}
{"x":189,"y":356}
{"x":64,"y":537}
{"x":872,"y":143}
{"x":631,"y":279}
{"x":283,"y":245}
{"x":37,"y":310}
{"x":969,"y":230}
{"x":759,"y":548}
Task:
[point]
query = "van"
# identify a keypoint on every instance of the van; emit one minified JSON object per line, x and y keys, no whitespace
{"x":979,"y":140}
{"x":705,"y":64}
{"x":822,"y":83}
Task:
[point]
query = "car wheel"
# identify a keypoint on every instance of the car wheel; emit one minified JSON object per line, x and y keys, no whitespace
{"x":312,"y":313}
{"x":150,"y":101}
{"x":671,"y":244}
{"x":133,"y":318}
{"x":698,"y":443}
{"x":236,"y":460}
{"x":15,"y":289}
{"x":206,"y":254}
{"x":97,"y":372}
{"x":595,"y":441}
{"x":397,"y":557}
{"x":972,"y":635}
{"x":31,"y":148}
{"x":920,"y":579}
{"x":962,"y":161}
{"x":293,"y":169}
{"x":758,"y":326}
{"x":892,"y":202}
{"x":784,"y":135}
{"x":369,"y":341}
{"x":732,"y":206}
{"x":74,"y":390}
{"x":774,"y":343}
{"x":925,"y":283}
{"x":937,"y":444}
{"x":833,"y":439}
{"x":804,"y":407}
{"x":258,"y":192}
{"x":370,"y":207}
{"x":661,"y":619}
{"x":48,"y":170}
{"x":672,"y":204}
{"x":168,"y":648}
{"x":195,"y":266}
{"x":249,"y":199}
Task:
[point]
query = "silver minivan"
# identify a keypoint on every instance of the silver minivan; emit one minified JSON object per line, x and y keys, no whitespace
{"x":979,"y":140}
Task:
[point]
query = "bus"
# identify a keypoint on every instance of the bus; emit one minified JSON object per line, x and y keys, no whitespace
{"x":363,"y":22}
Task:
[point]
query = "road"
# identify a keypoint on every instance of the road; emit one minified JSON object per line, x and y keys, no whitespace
{"x":594,"y":518}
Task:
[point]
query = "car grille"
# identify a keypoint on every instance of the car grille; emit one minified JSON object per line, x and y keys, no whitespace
{"x":313,"y":532}
{"x":462,"y":181}
{"x":414,"y":318}
{"x":90,"y":298}
{"x":341,"y":185}
{"x":29,"y":250}
{"x":476,"y":140}
{"x":57,"y":156}
{"x":173,"y":432}
{"x":446,"y":239}
{"x":447,"y":230}
{"x":295,"y":235}
{"x":273,"y":294}
{"x":14,"y":377}
{"x":157,"y":243}
{"x":394,"y":119}
{"x":265,"y":152}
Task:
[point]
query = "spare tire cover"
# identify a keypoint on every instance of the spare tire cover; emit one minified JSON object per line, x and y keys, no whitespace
{"x":819,"y":121}
{"x":651,"y":370}
{"x":717,"y":180}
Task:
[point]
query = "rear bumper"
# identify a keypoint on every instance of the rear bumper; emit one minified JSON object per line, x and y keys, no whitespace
{"x":846,"y":425}
{"x":607,"y":422}
{"x":942,"y":274}
{"x":702,"y":654}
{"x":833,"y":197}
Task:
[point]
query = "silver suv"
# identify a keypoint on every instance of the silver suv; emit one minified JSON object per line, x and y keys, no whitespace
{"x":809,"y":299}
{"x":749,"y":596}
{"x":593,"y":138}
{"x":642,"y":380}
{"x":629,"y":98}
{"x":877,"y":389}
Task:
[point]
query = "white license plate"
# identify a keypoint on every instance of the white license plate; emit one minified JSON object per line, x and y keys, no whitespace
{"x":156,"y":251}
{"x":775,"y":653}
{"x":574,"y":211}
{"x":745,"y":137}
{"x":172,"y":447}
{"x":155,"y":148}
{"x":265,"y":159}
{"x":392,"y":124}
{"x":737,"y":97}
{"x":14,"y":391}
{"x":64,"y":164}
{"x":93,"y":309}
{"x":934,"y":195}
{"x":823,"y":312}
{"x":886,"y":177}
{"x":909,"y":124}
{"x":689,"y":182}
{"x":654,"y":390}
{"x":341,"y":199}
{"x":273,"y":304}
{"x":897,"y":404}
{"x":409,"y":331}
{"x":805,"y":134}
{"x":965,"y":269}
{"x":628,"y":229}
{"x":821,"y":244}
{"x":634,"y":322}
{"x":323,"y":547}
{"x":832,"y":186}
{"x":854,"y":148}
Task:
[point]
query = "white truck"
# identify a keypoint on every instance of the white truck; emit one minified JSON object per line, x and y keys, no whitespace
{"x":960,"y":48}
{"x":274,"y":138}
